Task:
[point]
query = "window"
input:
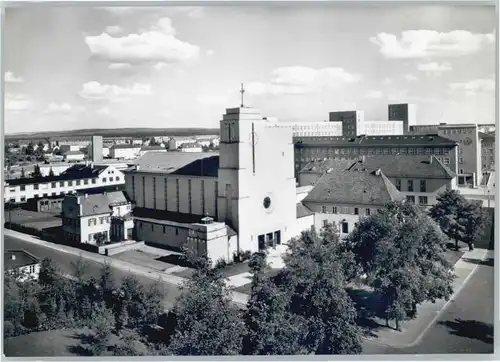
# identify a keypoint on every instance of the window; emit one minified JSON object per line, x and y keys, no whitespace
{"x":410,"y":199}
{"x":334,"y":210}
{"x":104,"y":179}
{"x":420,"y":151}
{"x":446,"y":151}
{"x":461,"y":170}
{"x":422,"y":200}
{"x":367,"y":212}
{"x":356,"y":211}
{"x":423,"y":186}
{"x":61,"y":184}
{"x":176,"y":231}
{"x":410,"y":185}
{"x":460,"y":160}
{"x":411,"y":151}
{"x":140,"y":224}
{"x":152,"y":227}
{"x":325,"y":223}
{"x":35,"y":187}
{"x":398,"y":185}
{"x":437,"y":151}
{"x":53,"y":185}
{"x":94,"y":181}
{"x":23,"y":188}
{"x":117,"y":178}
{"x":164,"y":229}
{"x":446,"y":160}
{"x":111,"y":179}
{"x":345,"y":228}
{"x":85,"y":182}
{"x":77,"y":182}
{"x":23,"y":198}
{"x":70,"y":183}
{"x":428,"y":151}
{"x":323,"y":209}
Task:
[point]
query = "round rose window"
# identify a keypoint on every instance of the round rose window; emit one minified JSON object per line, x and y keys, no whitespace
{"x":267,"y":202}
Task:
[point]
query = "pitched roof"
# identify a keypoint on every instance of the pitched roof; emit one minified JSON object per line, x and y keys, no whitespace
{"x":125,"y":146}
{"x":374,"y":141}
{"x":21,"y":258}
{"x":353,"y":187}
{"x":152,"y":148}
{"x":417,"y":166}
{"x":73,"y":153}
{"x":75,"y":172}
{"x":96,"y":204}
{"x":191,"y":145}
{"x":163,"y":215}
{"x":169,"y":162}
{"x":303,"y":211}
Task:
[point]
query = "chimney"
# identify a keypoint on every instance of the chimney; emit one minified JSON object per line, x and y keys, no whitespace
{"x":13,"y":257}
{"x":377,"y":172}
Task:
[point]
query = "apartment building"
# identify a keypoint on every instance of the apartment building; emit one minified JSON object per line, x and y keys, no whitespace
{"x":125,"y":151}
{"x":97,"y":218}
{"x":466,"y":136}
{"x":78,"y":177}
{"x":418,"y":178}
{"x":308,"y":149}
{"x":487,"y":151}
{"x":343,"y":197}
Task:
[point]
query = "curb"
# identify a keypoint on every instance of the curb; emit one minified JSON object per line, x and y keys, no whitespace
{"x":438,"y":314}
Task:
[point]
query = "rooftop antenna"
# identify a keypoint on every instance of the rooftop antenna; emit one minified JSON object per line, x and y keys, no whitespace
{"x":242,"y":91}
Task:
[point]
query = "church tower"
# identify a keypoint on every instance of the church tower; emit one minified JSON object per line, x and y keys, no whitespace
{"x":256,"y":183}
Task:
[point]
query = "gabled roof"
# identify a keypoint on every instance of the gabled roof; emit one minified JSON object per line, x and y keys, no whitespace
{"x":163,"y":215}
{"x":208,"y":166}
{"x":191,"y":145}
{"x":75,"y":172}
{"x":375,"y":141}
{"x":71,"y":153}
{"x":409,"y":166}
{"x":353,"y":187}
{"x":98,"y":204}
{"x":126,"y":146}
{"x":303,"y":211}
{"x":15,"y":259}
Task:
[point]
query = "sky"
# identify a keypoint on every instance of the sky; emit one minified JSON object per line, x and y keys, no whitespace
{"x":107,"y":67}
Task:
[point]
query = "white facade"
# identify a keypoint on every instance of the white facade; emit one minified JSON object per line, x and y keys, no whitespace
{"x":175,"y":142}
{"x":311,"y":129}
{"x":22,"y":265}
{"x":74,"y":156}
{"x":380,"y":128}
{"x":41,"y":188}
{"x":105,"y":151}
{"x":57,"y":169}
{"x":125,"y":152}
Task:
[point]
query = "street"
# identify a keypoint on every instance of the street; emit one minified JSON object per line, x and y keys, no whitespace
{"x":64,"y":261}
{"x":466,"y":326}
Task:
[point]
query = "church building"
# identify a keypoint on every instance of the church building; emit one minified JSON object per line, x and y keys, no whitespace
{"x":238,"y":200}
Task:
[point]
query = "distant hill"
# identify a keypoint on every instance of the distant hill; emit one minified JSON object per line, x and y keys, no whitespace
{"x":114,"y":132}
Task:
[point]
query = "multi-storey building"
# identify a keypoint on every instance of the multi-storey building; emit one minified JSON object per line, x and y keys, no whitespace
{"x":487,"y":151}
{"x":349,"y":121}
{"x":77,"y":177}
{"x":419,"y":178}
{"x":343,"y":197}
{"x":301,"y":129}
{"x":405,"y":112}
{"x":469,"y":170}
{"x":310,"y":148}
{"x":125,"y":151}
{"x":97,"y":218}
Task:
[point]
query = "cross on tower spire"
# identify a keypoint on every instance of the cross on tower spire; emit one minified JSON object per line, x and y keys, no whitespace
{"x":242,"y":91}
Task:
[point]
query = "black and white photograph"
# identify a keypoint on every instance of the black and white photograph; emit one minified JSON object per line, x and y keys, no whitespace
{"x":249,"y":179}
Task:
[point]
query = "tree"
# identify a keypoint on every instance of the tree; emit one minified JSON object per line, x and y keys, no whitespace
{"x":315,"y":275}
{"x":51,"y":172}
{"x":271,"y":327}
{"x":207,"y":323}
{"x":36,"y":172}
{"x":129,"y":345}
{"x":29,"y":149}
{"x":401,"y":250}
{"x":460,"y":219}
{"x":102,"y":325}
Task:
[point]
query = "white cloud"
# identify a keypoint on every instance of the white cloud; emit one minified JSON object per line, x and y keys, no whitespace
{"x":119,"y":66}
{"x":387,"y":81}
{"x":17,"y":102}
{"x":434,"y":68}
{"x":113,"y":29}
{"x":59,"y":108}
{"x":191,"y":11}
{"x":410,"y":77}
{"x":104,"y":112}
{"x":473,"y":87}
{"x":157,"y":44}
{"x":374,"y":94}
{"x":160,"y":66}
{"x":210,"y":52}
{"x":429,"y":43}
{"x":10,"y":77}
{"x":119,"y":10}
{"x":300,"y":80}
{"x":97,"y":91}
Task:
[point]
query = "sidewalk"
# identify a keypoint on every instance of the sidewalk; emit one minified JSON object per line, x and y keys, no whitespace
{"x":238,"y":298}
{"x":413,"y":330}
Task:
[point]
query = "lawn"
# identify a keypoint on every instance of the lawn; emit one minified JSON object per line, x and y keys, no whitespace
{"x":56,"y":343}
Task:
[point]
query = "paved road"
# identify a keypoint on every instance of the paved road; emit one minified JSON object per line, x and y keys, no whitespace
{"x":466,"y":326}
{"x":65,"y":263}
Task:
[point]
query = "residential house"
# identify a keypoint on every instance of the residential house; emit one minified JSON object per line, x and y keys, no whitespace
{"x":125,"y":151}
{"x":145,"y":149}
{"x":23,"y":265}
{"x":74,"y":156}
{"x":97,"y":218}
{"x":343,"y":197}
{"x":191,"y":147}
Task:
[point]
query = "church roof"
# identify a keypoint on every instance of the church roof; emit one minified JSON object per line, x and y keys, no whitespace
{"x":179,"y":163}
{"x":353,"y":188}
{"x":158,"y":216}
